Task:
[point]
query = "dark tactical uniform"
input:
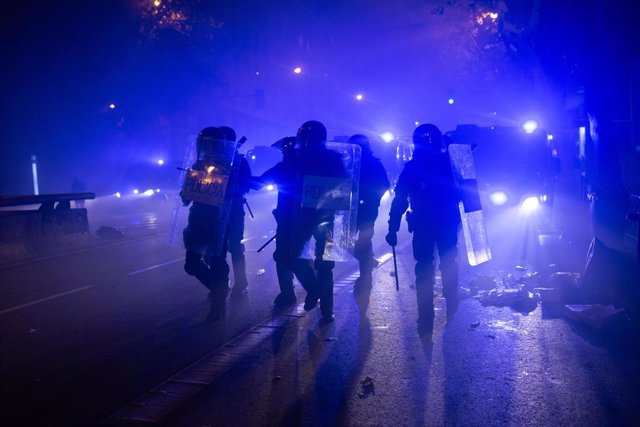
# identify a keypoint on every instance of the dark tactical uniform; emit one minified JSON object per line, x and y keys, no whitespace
{"x":236,"y":221}
{"x":205,"y":256}
{"x":315,"y":159}
{"x":373,"y":184}
{"x":283,"y":174}
{"x":427,"y":182}
{"x":236,"y":228}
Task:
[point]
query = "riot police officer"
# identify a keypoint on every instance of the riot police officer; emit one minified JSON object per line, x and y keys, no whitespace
{"x":427,"y":183}
{"x":236,"y":221}
{"x":283,"y":174}
{"x":206,"y":237}
{"x":373,"y":184}
{"x":315,"y":160}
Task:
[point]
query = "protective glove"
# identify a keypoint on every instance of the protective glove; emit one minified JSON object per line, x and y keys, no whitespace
{"x":392,"y":238}
{"x":185,"y":202}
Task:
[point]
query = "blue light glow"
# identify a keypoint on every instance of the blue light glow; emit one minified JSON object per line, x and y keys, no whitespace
{"x":530,"y":126}
{"x":529,"y":205}
{"x":387,"y":137}
{"x":498,"y":198}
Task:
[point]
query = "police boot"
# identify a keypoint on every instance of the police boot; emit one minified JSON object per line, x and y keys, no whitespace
{"x":218,"y":301}
{"x":426,"y":313}
{"x":325,"y":284}
{"x":241,"y":285}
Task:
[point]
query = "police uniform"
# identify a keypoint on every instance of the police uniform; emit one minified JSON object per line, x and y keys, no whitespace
{"x":373,"y":184}
{"x":427,"y":183}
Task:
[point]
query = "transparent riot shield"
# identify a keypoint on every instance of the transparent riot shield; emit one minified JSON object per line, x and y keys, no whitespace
{"x":329,"y":203}
{"x":475,"y":233}
{"x":201,"y":210}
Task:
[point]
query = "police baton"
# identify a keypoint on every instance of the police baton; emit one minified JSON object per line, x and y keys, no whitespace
{"x":268,"y":241}
{"x":395,"y":267}
{"x":248,"y":207}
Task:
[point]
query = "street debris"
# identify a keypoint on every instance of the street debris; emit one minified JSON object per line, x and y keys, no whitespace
{"x":261,"y":272}
{"x":492,"y":336}
{"x":475,"y":324}
{"x":277,"y":378}
{"x":32,"y":331}
{"x":597,"y":316}
{"x":328,"y":339}
{"x":106,"y":232}
{"x":518,"y":298}
{"x":367,"y":388}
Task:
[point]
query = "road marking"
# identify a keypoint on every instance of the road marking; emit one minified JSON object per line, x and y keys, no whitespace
{"x":153,"y":267}
{"x":18,"y":307}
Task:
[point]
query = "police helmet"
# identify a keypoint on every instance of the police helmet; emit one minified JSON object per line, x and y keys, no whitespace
{"x":228,"y":132}
{"x":362,"y":141}
{"x":208,"y":139}
{"x":312,"y":133}
{"x":428,"y":136}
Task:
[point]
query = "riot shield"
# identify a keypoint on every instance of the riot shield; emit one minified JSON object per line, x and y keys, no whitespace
{"x":201,"y":210}
{"x":475,"y":233}
{"x":328,"y":208}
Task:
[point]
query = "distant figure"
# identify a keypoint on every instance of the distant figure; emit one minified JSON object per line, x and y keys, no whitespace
{"x":373,"y":184}
{"x":206,"y":236}
{"x":283,"y":175}
{"x":427,"y":182}
{"x":236,"y":222}
{"x":78,"y":186}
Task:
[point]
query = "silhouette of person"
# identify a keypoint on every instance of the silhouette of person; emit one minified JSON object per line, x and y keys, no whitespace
{"x":236,"y":222}
{"x":206,"y":237}
{"x":373,"y":184}
{"x":427,"y":183}
{"x":283,"y":175}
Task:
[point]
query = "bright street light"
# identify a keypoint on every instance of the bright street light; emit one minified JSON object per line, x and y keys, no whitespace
{"x":387,"y":137}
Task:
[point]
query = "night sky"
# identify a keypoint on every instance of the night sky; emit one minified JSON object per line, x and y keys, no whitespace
{"x":173,"y":67}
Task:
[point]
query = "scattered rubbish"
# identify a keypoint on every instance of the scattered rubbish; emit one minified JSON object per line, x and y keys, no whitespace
{"x":492,"y":336}
{"x":106,"y":232}
{"x":261,"y":272}
{"x":367,"y":388}
{"x":569,"y":286}
{"x":516,"y":298}
{"x":549,"y":296}
{"x":475,"y":324}
{"x":597,"y":316}
{"x":480,"y":282}
{"x":520,"y":268}
{"x":327,"y":339}
{"x":32,"y":331}
{"x":503,"y":325}
{"x":532,"y":278}
{"x":277,"y":378}
{"x":463,"y":292}
{"x":392,"y":274}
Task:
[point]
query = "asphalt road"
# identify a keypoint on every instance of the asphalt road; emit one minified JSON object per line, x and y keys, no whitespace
{"x":87,"y":332}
